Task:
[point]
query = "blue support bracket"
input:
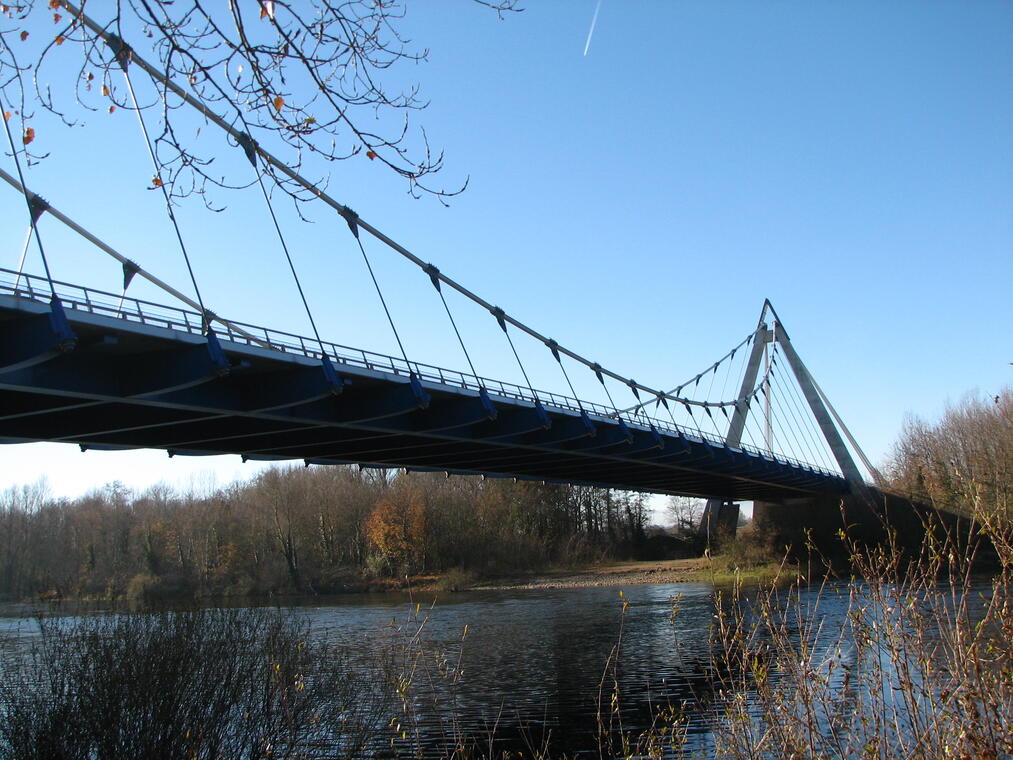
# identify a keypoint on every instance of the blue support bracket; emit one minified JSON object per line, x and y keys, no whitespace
{"x":218,"y":358}
{"x":657,"y":438}
{"x":684,"y":445}
{"x":627,"y":433}
{"x":591,"y":429}
{"x":543,"y":416}
{"x":331,"y":376}
{"x":487,"y":404}
{"x":421,"y":397}
{"x":65,"y":338}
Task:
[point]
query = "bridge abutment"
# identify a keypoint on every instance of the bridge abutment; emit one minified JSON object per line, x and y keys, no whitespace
{"x":720,"y":519}
{"x":797,"y":526}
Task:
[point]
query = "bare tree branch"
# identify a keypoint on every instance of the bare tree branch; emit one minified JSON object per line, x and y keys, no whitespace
{"x":306,"y":75}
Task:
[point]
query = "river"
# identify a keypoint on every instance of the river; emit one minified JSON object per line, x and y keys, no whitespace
{"x":534,"y":664}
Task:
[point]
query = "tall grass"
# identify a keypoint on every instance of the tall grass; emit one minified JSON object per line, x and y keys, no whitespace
{"x":922,"y":666}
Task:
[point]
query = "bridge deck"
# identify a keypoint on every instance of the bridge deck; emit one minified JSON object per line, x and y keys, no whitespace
{"x":144,"y":376}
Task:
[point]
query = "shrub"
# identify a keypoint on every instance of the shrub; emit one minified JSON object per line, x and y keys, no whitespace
{"x":203,"y":684}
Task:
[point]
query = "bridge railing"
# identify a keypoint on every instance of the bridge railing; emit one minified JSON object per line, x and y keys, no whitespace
{"x":103,"y":303}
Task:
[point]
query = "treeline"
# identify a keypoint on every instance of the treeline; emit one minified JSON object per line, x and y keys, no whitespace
{"x":963,"y":462}
{"x":298,"y":530}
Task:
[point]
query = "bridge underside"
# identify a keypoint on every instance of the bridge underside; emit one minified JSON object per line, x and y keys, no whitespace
{"x":125,"y":385}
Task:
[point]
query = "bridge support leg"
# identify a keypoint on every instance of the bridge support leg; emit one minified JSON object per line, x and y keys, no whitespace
{"x":720,"y":520}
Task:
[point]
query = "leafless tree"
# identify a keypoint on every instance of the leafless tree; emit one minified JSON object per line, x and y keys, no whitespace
{"x":684,"y":512}
{"x":309,"y":76}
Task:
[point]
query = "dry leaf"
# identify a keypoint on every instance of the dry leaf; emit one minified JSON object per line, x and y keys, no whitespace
{"x":7,"y":115}
{"x":112,"y":108}
{"x":156,"y":181}
{"x":28,"y":136}
{"x":24,"y":36}
{"x":57,"y":17}
{"x":279,"y":101}
{"x":59,"y":39}
{"x":370,"y":154}
{"x":105,"y":90}
{"x":54,"y":4}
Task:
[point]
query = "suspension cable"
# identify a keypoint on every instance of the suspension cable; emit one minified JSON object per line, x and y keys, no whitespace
{"x":794,"y":429}
{"x":383,"y":302}
{"x":811,"y":430}
{"x":310,"y":187}
{"x":33,"y":212}
{"x":799,"y":425}
{"x":501,"y":320}
{"x":601,"y":379}
{"x":554,"y":348}
{"x":24,"y":254}
{"x":433,"y":273}
{"x":123,"y":55}
{"x":249,"y":149}
{"x":128,"y":265}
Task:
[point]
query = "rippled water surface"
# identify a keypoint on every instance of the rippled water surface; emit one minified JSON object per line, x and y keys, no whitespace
{"x":535,"y":663}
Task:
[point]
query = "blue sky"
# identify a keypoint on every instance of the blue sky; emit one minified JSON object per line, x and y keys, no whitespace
{"x":853,"y":162}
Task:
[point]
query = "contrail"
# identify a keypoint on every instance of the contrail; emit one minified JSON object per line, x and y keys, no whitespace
{"x":594,"y":21}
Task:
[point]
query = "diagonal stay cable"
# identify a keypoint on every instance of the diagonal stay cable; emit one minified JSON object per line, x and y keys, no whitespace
{"x":383,"y":302}
{"x":797,"y":419}
{"x":33,"y":210}
{"x":345,"y":211}
{"x":433,"y":273}
{"x":123,"y":56}
{"x":810,"y":428}
{"x":24,"y":251}
{"x":501,"y":321}
{"x":247,"y":145}
{"x":128,"y":264}
{"x":794,"y":430}
{"x":554,"y":348}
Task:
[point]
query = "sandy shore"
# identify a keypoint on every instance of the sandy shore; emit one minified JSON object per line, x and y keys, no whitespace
{"x":613,"y":574}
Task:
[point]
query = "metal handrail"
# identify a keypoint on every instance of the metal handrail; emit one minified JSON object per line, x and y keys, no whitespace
{"x":82,"y":298}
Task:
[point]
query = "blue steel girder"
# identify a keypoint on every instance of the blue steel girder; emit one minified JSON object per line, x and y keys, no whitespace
{"x":131,"y":385}
{"x":32,"y":337}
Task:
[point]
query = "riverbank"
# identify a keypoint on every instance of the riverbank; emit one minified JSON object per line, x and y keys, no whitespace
{"x":716,"y":570}
{"x":607,"y":574}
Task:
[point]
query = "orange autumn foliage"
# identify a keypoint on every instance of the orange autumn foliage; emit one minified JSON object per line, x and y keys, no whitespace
{"x":397,"y":529}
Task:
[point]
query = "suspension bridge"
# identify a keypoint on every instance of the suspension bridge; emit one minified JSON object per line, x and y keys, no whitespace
{"x":106,"y":371}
